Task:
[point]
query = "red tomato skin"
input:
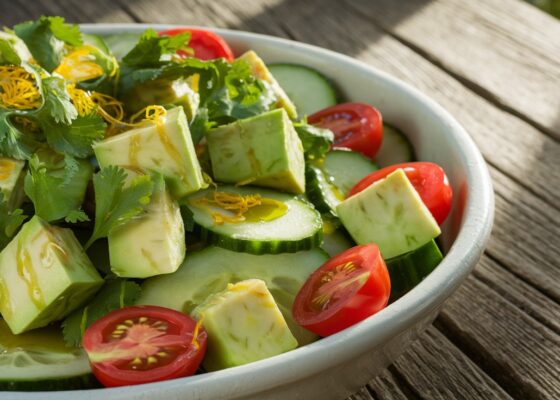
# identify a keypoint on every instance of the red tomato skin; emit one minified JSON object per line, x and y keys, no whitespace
{"x":184,"y":364}
{"x":372,"y":297}
{"x":366,"y":135}
{"x":207,"y":45}
{"x":428,"y":179}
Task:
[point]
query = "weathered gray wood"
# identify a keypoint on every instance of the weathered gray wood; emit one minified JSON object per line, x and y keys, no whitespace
{"x":519,"y":293}
{"x":72,"y":10}
{"x":362,"y":394}
{"x":525,"y":235}
{"x":386,"y":387}
{"x":518,"y":352}
{"x":504,"y":49}
{"x":436,"y":369}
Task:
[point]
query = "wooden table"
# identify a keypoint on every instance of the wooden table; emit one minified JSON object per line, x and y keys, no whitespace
{"x":495,"y":65}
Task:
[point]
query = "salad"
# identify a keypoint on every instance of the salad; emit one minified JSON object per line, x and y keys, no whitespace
{"x":169,"y":208}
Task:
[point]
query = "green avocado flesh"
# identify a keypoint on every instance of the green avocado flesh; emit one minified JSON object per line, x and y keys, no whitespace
{"x":260,"y":71}
{"x":44,"y":275}
{"x":151,"y":244}
{"x":391,"y":214}
{"x":11,"y":177}
{"x":210,"y":270}
{"x":264,"y":150}
{"x":244,"y":325}
{"x":40,"y":360}
{"x":167,"y":149}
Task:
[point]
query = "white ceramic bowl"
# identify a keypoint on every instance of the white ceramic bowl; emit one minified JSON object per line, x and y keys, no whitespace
{"x":337,"y":366}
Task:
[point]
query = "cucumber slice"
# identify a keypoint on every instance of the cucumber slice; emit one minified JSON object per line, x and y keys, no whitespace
{"x":395,"y":148}
{"x":347,"y":168}
{"x":308,"y":89}
{"x":298,"y":226}
{"x":208,"y":271}
{"x":320,"y":191}
{"x":120,"y":44}
{"x":40,"y":360}
{"x":408,"y":270}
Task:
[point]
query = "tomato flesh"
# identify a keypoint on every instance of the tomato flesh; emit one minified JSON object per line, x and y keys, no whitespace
{"x":356,"y":126}
{"x":206,"y":45}
{"x":144,"y":344}
{"x":344,"y":291}
{"x":428,"y":179}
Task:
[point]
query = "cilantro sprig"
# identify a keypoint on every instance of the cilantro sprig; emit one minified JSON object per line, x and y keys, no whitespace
{"x":46,"y":39}
{"x":10,"y":221}
{"x":116,"y":200}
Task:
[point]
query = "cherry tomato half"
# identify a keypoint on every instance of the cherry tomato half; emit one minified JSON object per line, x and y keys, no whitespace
{"x":206,"y":45}
{"x":428,"y":179}
{"x":142,"y":344}
{"x":356,"y":126}
{"x":344,"y":291}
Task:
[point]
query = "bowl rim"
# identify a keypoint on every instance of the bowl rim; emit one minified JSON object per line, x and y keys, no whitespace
{"x":311,"y":359}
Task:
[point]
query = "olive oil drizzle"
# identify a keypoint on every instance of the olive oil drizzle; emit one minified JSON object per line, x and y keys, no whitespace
{"x":29,"y":276}
{"x":245,"y":208}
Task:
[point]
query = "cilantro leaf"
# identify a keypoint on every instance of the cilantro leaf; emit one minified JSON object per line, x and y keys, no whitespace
{"x":69,"y":34}
{"x":54,"y":195}
{"x":115,"y":294}
{"x":316,"y":141}
{"x":77,"y":138}
{"x":115,"y":202}
{"x":13,"y":142}
{"x":10,"y":221}
{"x":56,"y":100}
{"x":200,"y":125}
{"x":152,"y":49}
{"x":46,"y":39}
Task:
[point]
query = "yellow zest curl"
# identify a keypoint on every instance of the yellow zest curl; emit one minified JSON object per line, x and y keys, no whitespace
{"x":79,"y":65}
{"x":234,"y":202}
{"x":18,"y":89}
{"x":196,"y":332}
{"x":81,"y":99}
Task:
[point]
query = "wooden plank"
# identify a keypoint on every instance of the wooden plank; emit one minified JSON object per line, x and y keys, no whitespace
{"x":436,"y":369}
{"x":519,"y":293}
{"x":362,"y":394}
{"x":386,"y":387}
{"x":514,"y":349}
{"x":507,"y":50}
{"x":72,"y":10}
{"x":525,"y":235}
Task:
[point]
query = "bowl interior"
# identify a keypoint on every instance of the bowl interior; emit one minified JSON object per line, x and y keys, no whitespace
{"x":436,"y":137}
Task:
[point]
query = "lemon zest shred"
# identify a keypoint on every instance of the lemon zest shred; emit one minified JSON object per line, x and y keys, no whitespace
{"x":18,"y":88}
{"x":233,"y":202}
{"x":196,"y":332}
{"x":81,"y":99}
{"x":79,"y":65}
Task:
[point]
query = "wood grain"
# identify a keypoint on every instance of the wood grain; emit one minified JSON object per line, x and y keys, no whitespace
{"x":504,"y":49}
{"x":437,"y":370}
{"x":517,"y":351}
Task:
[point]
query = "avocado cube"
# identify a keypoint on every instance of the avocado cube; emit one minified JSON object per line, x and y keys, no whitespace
{"x":166,"y":149}
{"x":260,"y":71}
{"x":11,"y":181}
{"x":244,"y":325}
{"x":44,"y":275}
{"x":151,"y":244}
{"x":391,"y":214}
{"x":264,"y":150}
